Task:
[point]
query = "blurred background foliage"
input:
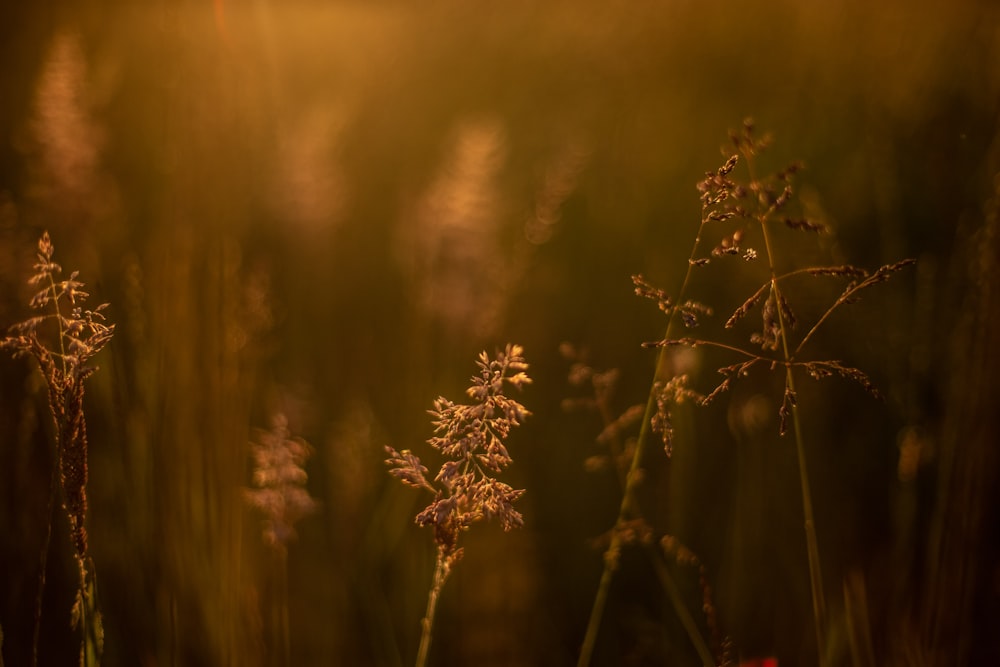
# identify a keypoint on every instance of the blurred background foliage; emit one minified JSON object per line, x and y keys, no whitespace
{"x":327,"y":209}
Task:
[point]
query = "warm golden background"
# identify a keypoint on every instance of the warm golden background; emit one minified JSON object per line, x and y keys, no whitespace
{"x":327,"y":209}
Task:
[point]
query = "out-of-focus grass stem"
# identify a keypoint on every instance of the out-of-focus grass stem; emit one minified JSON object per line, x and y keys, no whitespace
{"x":629,"y":503}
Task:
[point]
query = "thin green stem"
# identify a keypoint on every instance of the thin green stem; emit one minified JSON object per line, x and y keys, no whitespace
{"x":43,"y":565}
{"x":628,"y":506}
{"x":812,"y":545}
{"x":683,"y":614}
{"x":427,"y":624}
{"x":91,"y":624}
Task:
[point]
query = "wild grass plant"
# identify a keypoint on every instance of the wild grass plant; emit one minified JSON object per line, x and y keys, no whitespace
{"x":279,"y":495}
{"x":746,"y":215}
{"x":471,"y":439}
{"x":632,"y":528}
{"x":178,"y":154}
{"x":62,"y":339}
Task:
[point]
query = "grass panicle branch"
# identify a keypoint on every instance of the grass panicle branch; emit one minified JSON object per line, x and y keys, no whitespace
{"x":471,"y":438}
{"x":62,"y":339}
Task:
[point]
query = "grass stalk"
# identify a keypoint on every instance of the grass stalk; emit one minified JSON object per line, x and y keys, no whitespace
{"x":78,"y":337}
{"x":471,"y":437}
{"x":441,"y":572}
{"x":629,"y":504}
{"x":812,"y":544}
{"x":683,"y":613}
{"x":44,"y":563}
{"x":53,"y":491}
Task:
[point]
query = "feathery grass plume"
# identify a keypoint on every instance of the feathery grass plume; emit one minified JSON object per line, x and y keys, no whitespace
{"x":279,"y":493}
{"x":63,"y":339}
{"x":761,"y":205}
{"x":471,"y":438}
{"x":279,"y":482}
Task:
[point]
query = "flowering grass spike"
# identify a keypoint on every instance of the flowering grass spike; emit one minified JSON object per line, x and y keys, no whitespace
{"x":471,"y":437}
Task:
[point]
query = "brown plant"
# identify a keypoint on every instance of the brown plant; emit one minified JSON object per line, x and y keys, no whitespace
{"x":62,"y":340}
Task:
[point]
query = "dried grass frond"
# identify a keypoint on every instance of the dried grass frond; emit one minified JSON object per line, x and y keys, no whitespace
{"x":472,"y":438}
